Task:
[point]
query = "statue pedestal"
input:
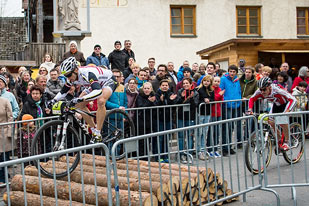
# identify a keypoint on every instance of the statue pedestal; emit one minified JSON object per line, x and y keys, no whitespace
{"x":68,"y":36}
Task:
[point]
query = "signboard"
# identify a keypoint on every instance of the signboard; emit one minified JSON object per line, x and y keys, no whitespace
{"x":105,"y":3}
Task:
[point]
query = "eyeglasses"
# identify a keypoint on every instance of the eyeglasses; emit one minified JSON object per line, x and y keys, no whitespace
{"x":263,"y":89}
{"x":68,"y":74}
{"x":117,"y":76}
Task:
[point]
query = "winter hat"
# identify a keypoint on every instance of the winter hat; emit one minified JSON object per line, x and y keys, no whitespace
{"x":117,"y":42}
{"x":186,"y":69}
{"x":4,"y":80}
{"x":73,"y":42}
{"x":26,"y":117}
{"x":97,"y":45}
{"x":303,"y":71}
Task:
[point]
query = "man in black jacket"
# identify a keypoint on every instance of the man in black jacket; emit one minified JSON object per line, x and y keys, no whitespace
{"x":128,"y":51}
{"x":161,"y":74}
{"x":117,"y":58}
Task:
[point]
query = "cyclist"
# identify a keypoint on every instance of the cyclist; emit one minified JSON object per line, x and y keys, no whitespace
{"x":99,"y":84}
{"x":282,"y":101}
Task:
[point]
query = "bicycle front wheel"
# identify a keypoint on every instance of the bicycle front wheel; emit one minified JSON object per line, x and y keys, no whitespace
{"x":117,"y":125}
{"x":254,"y":152}
{"x":296,"y":144}
{"x":44,"y":141}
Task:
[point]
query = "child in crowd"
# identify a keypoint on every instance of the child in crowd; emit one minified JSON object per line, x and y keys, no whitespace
{"x":282,"y":80}
{"x":25,"y":136}
{"x":266,"y":71}
{"x":30,"y":84}
{"x":206,"y":95}
{"x":300,"y":93}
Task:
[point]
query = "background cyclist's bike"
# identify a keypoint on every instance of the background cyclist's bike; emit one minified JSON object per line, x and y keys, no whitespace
{"x":69,"y":132}
{"x":255,"y":146}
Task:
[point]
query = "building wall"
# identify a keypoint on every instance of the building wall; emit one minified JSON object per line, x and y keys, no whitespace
{"x":147,"y":24}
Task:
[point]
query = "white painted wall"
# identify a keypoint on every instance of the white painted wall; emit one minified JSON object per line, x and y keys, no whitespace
{"x":147,"y":24}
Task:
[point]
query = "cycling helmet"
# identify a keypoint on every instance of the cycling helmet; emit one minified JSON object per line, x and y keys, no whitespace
{"x":264,"y":82}
{"x":68,"y":65}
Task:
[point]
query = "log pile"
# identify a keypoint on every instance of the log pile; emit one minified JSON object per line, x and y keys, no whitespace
{"x":179,"y":184}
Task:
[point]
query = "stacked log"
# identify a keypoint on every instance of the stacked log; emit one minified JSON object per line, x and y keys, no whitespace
{"x":152,"y":182}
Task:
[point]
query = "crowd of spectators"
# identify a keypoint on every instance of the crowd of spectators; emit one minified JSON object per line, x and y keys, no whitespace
{"x":154,"y":86}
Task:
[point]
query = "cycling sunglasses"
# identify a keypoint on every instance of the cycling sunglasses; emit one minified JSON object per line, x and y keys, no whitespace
{"x":263,"y":89}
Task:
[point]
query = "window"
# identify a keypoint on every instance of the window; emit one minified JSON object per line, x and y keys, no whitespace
{"x":183,"y":20}
{"x":248,"y":20}
{"x":302,"y":21}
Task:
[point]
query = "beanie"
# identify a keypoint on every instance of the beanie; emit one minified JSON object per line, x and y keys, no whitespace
{"x":73,"y":42}
{"x":4,"y":80}
{"x":117,"y":42}
{"x":26,"y":117}
{"x":97,"y":45}
{"x":186,"y":69}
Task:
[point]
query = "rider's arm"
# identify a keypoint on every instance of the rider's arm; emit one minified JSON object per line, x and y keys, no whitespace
{"x":257,"y":94}
{"x":63,"y":92}
{"x":292,"y":101}
{"x":95,"y":87}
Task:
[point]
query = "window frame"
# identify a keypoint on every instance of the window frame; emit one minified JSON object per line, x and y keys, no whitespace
{"x":182,"y":34}
{"x":306,"y":9}
{"x":248,"y":20}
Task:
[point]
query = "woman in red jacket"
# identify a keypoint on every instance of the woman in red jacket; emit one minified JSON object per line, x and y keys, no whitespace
{"x":303,"y":75}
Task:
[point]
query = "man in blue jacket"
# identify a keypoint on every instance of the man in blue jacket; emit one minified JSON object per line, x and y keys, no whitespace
{"x":98,"y":58}
{"x":232,"y":91}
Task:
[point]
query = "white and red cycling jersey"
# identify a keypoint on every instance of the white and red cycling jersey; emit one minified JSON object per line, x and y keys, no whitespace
{"x":278,"y":96}
{"x":93,"y":79}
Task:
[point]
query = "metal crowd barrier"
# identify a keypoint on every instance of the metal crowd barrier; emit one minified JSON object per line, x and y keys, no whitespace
{"x":81,"y":187}
{"x":156,"y":177}
{"x":292,"y":173}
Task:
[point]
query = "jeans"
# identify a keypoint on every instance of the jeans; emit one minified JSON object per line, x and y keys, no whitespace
{"x":163,"y":141}
{"x":227,"y":128}
{"x":202,"y":132}
{"x":4,"y":156}
{"x":213,"y":135}
{"x":185,"y":123}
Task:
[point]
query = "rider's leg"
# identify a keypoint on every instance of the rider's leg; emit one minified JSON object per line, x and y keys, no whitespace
{"x":285,"y":129}
{"x":83,"y":106}
{"x":101,"y":112}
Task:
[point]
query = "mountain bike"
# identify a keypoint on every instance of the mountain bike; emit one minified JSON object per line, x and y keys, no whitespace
{"x":56,"y":135}
{"x":256,"y":147}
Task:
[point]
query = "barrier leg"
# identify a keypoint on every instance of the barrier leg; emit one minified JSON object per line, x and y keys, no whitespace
{"x":274,"y":192}
{"x":293,"y":191}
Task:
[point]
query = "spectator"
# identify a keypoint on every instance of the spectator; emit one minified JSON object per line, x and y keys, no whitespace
{"x":141,"y":78}
{"x":117,"y":58}
{"x":164,"y":96}
{"x":202,"y":69}
{"x":259,"y":71}
{"x":241,"y":68}
{"x":31,"y":83}
{"x":303,"y":75}
{"x":210,"y":70}
{"x":35,"y":105}
{"x":48,"y":62}
{"x":117,"y":74}
{"x":97,"y":58}
{"x":151,"y":66}
{"x":10,"y":82}
{"x":266,"y":71}
{"x":128,"y":70}
{"x":186,"y":95}
{"x":206,"y":95}
{"x":20,"y":71}
{"x":132,"y":93}
{"x":79,"y":56}
{"x":146,"y":120}
{"x":161,"y":74}
{"x":186,"y":74}
{"x":248,"y":83}
{"x":216,"y":115}
{"x":44,"y":72}
{"x":300,"y":93}
{"x":21,"y":87}
{"x":41,"y":81}
{"x":147,"y":70}
{"x":221,"y":72}
{"x":8,"y":95}
{"x":194,"y":69}
{"x":54,"y":85}
{"x":281,"y":81}
{"x":273,"y":74}
{"x":285,"y":68}
{"x":3,"y":70}
{"x":7,"y":140}
{"x":128,"y":51}
{"x":232,"y":91}
{"x":135,"y":70}
{"x":217,"y":68}
{"x":172,"y":74}
{"x":180,"y":75}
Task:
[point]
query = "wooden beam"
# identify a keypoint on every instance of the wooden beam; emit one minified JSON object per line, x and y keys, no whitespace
{"x":39,"y":21}
{"x":18,"y":63}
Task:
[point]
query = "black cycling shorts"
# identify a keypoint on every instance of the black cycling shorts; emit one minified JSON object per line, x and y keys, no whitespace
{"x":279,"y":109}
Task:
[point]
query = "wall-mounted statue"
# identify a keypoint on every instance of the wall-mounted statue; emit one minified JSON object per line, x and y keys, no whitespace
{"x":69,"y":12}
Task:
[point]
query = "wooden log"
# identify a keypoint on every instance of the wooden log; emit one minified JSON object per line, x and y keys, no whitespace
{"x":171,"y":200}
{"x":17,"y":199}
{"x":224,"y":186}
{"x":62,"y":187}
{"x":219,"y":178}
{"x":161,"y":191}
{"x":228,"y":193}
{"x":173,"y":186}
{"x":101,"y":180}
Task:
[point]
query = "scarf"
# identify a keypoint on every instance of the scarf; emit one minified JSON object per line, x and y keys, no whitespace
{"x":39,"y":112}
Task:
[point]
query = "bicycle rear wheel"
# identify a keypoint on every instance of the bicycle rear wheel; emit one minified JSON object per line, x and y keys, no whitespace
{"x":297,"y":147}
{"x":254,"y":151}
{"x":117,"y":125}
{"x":44,"y":142}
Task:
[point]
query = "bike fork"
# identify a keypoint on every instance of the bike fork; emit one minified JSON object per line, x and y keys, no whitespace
{"x":61,"y":145}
